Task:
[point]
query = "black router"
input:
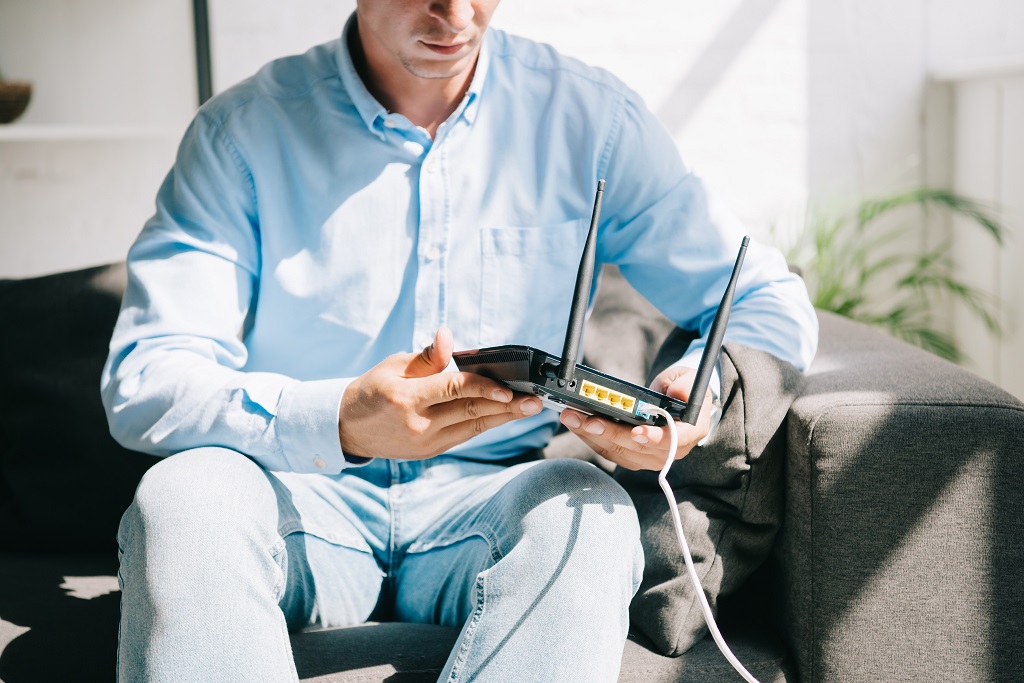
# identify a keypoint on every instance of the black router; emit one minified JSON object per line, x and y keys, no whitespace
{"x":562,"y":382}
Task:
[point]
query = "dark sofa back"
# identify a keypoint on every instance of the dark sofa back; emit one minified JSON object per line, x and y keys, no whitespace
{"x":64,"y":482}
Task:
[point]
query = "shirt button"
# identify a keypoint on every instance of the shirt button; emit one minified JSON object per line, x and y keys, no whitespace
{"x":320,"y":463}
{"x":433,"y":253}
{"x":390,"y":123}
{"x":432,"y":166}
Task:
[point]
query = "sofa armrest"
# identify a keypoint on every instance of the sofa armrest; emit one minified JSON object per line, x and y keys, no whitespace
{"x":902,"y":552}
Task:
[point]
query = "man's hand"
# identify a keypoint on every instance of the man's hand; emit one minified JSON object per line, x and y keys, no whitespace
{"x":643,"y":448}
{"x":408,"y":408}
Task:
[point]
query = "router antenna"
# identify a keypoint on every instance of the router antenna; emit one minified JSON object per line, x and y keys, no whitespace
{"x":709,"y":358}
{"x":580,"y":297}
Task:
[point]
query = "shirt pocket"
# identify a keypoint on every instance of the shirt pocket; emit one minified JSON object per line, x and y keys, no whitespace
{"x":528,"y":277}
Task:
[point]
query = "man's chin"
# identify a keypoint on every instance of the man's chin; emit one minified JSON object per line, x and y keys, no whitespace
{"x":440,"y":68}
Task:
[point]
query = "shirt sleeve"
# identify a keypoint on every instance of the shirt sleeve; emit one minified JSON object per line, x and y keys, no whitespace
{"x":174,"y":378}
{"x":677,"y":247}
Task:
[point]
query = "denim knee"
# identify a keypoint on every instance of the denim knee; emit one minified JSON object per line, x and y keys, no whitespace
{"x":584,"y":485}
{"x":198,"y":493}
{"x":200,"y":579}
{"x":559,"y":491}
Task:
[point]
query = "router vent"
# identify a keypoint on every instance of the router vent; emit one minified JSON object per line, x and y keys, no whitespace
{"x":502,"y":357}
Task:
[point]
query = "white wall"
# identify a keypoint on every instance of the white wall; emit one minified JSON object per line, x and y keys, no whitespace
{"x":987,"y":162}
{"x":246,"y":34}
{"x":101,"y":62}
{"x":776,"y":102}
{"x":113,"y":88}
{"x":728,"y":78}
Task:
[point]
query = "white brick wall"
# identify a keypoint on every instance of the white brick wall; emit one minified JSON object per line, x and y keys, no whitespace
{"x":775,"y":102}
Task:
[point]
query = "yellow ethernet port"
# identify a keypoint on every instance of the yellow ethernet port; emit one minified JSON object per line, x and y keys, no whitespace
{"x":596,"y":392}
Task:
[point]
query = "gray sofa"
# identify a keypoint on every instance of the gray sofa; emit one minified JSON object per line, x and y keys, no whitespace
{"x":900,"y":555}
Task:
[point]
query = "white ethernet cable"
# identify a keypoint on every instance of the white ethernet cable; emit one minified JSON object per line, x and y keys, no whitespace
{"x":663,"y":481}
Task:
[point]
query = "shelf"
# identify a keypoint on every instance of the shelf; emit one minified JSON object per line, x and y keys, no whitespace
{"x":44,"y":132}
{"x":1002,"y":68}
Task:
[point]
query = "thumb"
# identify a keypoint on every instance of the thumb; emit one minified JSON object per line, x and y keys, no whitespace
{"x":435,"y":358}
{"x":682,"y":388}
{"x":675,"y":381}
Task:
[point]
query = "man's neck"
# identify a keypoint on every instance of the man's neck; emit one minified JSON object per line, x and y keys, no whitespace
{"x":426,"y":102}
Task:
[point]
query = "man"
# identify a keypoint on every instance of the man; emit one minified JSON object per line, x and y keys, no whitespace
{"x":423,"y":182}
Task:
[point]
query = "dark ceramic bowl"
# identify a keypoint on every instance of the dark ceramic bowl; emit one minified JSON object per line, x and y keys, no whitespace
{"x":14,"y":97}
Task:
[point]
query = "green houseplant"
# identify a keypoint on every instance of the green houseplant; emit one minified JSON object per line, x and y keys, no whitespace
{"x":869,"y":269}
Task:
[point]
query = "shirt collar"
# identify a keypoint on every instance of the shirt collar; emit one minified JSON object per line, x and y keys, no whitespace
{"x":372,"y":112}
{"x":476,"y":86}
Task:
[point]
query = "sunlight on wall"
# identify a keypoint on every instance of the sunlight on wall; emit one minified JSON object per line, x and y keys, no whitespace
{"x":727,"y":79}
{"x":774,"y":102}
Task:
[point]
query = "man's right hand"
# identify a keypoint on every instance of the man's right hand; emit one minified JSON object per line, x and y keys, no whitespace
{"x":408,"y":408}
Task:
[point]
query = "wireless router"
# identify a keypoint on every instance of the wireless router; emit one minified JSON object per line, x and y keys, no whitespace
{"x":562,"y":382}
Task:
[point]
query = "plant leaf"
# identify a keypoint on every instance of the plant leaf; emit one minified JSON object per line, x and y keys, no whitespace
{"x":855,"y":266}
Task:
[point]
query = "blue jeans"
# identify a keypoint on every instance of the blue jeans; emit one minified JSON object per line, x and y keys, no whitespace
{"x":536,"y":562}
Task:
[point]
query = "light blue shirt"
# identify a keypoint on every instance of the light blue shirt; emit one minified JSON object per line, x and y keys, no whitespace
{"x":304,"y":234}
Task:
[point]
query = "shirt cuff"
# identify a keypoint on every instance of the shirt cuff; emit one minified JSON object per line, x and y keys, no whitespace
{"x":307,"y":427}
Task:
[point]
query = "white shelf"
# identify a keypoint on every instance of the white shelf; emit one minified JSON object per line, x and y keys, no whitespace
{"x":1003,"y":68}
{"x":44,"y":132}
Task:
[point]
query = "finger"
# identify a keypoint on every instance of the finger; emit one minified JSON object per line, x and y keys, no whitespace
{"x":608,"y":432}
{"x":646,"y":435}
{"x":657,"y":438}
{"x":677,"y":375}
{"x":629,"y":459}
{"x":641,"y":436}
{"x":682,"y":386}
{"x":641,"y":447}
{"x":452,"y":386}
{"x":608,"y":439}
{"x":461,"y":432}
{"x":463,"y":410}
{"x":434,"y":358}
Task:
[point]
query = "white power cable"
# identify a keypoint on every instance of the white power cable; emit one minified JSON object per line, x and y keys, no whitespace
{"x":663,"y":481}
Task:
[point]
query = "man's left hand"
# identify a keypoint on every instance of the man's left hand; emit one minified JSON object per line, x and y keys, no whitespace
{"x":643,"y":447}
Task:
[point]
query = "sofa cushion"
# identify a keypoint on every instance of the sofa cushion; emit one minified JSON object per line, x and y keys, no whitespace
{"x":904,"y":525}
{"x":729,"y":493}
{"x":64,"y":482}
